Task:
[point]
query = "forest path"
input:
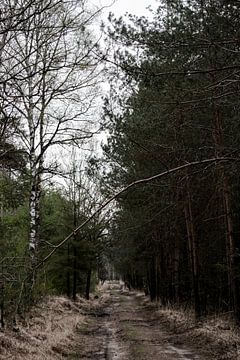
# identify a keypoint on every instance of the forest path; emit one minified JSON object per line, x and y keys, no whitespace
{"x":124,"y":327}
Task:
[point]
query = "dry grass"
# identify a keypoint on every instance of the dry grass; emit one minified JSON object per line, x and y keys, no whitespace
{"x":216,"y":334}
{"x":47,"y":332}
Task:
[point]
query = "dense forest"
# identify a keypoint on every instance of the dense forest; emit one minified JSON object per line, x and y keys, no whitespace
{"x":158,"y":206}
{"x":176,"y":105}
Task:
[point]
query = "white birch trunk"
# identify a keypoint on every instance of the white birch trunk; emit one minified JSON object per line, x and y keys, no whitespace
{"x":34,"y":208}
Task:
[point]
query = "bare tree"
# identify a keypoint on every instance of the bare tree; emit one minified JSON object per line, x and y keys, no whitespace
{"x":50,"y":86}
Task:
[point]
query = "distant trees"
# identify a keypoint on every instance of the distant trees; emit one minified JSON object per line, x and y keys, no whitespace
{"x":73,"y":268}
{"x":178,"y":103}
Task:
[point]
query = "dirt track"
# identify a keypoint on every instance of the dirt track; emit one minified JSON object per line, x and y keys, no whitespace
{"x":124,"y":327}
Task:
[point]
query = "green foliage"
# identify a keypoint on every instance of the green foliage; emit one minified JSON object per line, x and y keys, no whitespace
{"x":13,"y":240}
{"x":69,"y":265}
{"x":176,"y":103}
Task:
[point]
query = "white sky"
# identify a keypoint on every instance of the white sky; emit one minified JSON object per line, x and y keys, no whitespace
{"x":120,"y":7}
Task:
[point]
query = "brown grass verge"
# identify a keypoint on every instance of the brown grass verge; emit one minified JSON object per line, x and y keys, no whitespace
{"x":47,"y":331}
{"x":216,"y":335}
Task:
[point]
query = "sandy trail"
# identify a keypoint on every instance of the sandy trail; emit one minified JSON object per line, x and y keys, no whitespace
{"x":123,"y":327}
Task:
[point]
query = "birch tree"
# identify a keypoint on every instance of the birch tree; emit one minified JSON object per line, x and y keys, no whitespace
{"x":50,"y":76}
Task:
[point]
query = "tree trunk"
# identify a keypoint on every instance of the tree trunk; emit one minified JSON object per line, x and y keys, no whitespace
{"x":231,"y":250}
{"x":34,"y":210}
{"x":162,"y":274}
{"x":152,"y":280}
{"x":68,"y":271}
{"x":75,"y":195}
{"x":88,"y":284}
{"x":2,"y":304}
{"x":36,"y":164}
{"x":192,"y":251}
{"x":176,"y":258}
{"x":74,"y":293}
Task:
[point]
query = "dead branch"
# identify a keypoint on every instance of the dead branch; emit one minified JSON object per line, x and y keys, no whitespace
{"x":126,"y":188}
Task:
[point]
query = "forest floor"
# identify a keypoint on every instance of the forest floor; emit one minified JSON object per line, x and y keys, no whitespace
{"x":117,"y":325}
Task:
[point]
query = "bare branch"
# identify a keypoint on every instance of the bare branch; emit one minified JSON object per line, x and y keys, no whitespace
{"x":126,"y":188}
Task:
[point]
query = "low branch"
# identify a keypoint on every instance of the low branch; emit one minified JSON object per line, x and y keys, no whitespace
{"x":126,"y":188}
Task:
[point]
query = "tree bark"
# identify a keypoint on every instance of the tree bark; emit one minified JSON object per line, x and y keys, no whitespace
{"x":231,"y":250}
{"x":34,"y":211}
{"x":75,"y":216}
{"x":176,"y":258}
{"x":68,"y":272}
{"x":2,"y":307}
{"x":88,"y":284}
{"x":74,"y":292}
{"x":193,"y":252}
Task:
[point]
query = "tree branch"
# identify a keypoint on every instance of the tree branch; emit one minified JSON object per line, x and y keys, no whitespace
{"x":126,"y":188}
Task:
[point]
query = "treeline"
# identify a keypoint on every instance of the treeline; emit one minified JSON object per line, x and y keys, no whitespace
{"x":177,"y":102}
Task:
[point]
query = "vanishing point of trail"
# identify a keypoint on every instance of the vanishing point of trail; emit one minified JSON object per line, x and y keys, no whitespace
{"x":123,"y":326}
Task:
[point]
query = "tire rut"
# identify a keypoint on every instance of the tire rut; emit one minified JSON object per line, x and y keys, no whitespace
{"x":121,"y":328}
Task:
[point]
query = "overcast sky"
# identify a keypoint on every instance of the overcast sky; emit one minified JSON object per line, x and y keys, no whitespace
{"x":120,"y":7}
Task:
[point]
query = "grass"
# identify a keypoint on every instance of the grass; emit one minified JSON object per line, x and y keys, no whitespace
{"x":216,"y":334}
{"x":48,"y":331}
{"x":138,"y":351}
{"x":129,"y":332}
